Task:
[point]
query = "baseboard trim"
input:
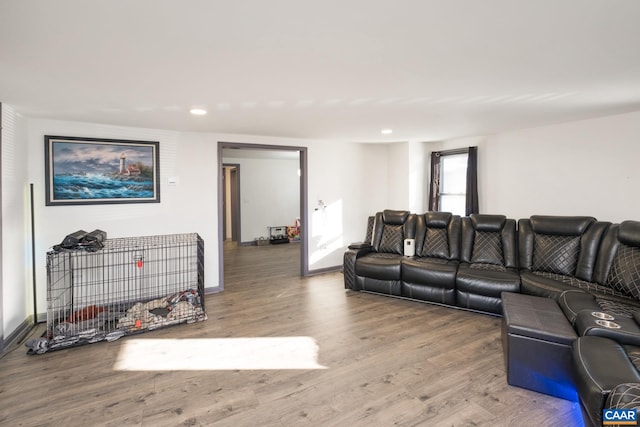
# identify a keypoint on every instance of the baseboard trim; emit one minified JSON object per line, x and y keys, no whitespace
{"x":19,"y":333}
{"x":212,"y":290}
{"x":332,"y":269}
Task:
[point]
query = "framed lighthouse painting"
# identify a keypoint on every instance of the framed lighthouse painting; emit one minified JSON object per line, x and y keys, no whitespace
{"x":85,"y":171}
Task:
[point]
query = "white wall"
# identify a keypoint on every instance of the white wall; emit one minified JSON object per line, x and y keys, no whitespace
{"x":418,"y":177}
{"x":587,"y":167}
{"x":406,"y":181}
{"x":398,"y":155}
{"x":16,"y":225}
{"x":269,"y":194}
{"x":350,"y":178}
{"x":190,"y":206}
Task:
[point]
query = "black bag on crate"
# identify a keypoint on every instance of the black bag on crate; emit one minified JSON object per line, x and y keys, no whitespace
{"x":94,"y":241}
{"x":71,"y":241}
{"x":91,"y":242}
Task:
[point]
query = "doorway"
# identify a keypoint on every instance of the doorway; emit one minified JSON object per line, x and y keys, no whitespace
{"x":245,"y":150}
{"x":231,"y":201}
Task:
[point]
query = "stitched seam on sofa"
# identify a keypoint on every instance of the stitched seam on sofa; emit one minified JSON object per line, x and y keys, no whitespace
{"x":624,"y":274}
{"x":436,"y":243}
{"x":586,"y":370}
{"x":543,"y":286}
{"x":589,"y":286}
{"x":392,"y":240}
{"x":616,"y":397}
{"x":563,"y":297}
{"x":616,"y":307}
{"x":556,"y":254}
{"x":568,"y":280}
{"x":383,"y":255}
{"x":349,"y":272}
{"x":487,"y":248}
{"x":634,"y":357}
{"x":580,"y":284}
{"x":427,"y":260}
{"x":493,"y":279}
{"x":488,"y":267}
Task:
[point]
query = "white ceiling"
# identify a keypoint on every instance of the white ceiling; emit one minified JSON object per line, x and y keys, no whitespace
{"x":332,"y":69}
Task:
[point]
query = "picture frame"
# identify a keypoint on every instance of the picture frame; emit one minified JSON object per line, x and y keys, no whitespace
{"x":89,"y":171}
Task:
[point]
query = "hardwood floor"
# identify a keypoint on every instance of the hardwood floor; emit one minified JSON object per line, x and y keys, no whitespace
{"x":388,"y":362}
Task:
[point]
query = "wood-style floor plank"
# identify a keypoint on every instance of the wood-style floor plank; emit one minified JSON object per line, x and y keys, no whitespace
{"x":388,"y":362}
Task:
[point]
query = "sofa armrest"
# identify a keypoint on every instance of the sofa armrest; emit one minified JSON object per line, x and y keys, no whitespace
{"x":360,"y":245}
{"x":574,"y":301}
{"x":355,"y":251}
{"x":621,"y":329}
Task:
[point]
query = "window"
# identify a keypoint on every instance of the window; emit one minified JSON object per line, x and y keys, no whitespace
{"x":453,"y":183}
{"x":453,"y":186}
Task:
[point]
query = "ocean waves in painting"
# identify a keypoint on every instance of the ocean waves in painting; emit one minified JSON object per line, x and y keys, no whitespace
{"x":73,"y":187}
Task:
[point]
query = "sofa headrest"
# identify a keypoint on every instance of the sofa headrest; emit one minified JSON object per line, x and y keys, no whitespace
{"x":437,"y":219}
{"x":394,"y":217}
{"x":629,"y":233}
{"x":483,"y":222}
{"x":561,"y":225}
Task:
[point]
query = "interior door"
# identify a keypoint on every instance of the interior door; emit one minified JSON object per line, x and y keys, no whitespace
{"x":235,"y":204}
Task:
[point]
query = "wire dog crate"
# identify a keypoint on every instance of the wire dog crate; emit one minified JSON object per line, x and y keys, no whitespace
{"x":131,"y":285}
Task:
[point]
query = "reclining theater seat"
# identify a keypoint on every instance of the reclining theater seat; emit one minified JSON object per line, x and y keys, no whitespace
{"x":616,"y":290}
{"x":488,"y":262}
{"x":376,"y":267}
{"x":558,"y":253}
{"x":431,"y":274}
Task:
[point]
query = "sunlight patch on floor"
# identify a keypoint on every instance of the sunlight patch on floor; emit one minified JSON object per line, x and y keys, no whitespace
{"x":213,"y":354}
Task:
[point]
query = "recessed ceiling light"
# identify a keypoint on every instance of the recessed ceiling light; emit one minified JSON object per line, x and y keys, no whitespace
{"x":386,"y":131}
{"x":198,"y":111}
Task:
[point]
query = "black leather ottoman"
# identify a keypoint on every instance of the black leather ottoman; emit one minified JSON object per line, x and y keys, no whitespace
{"x":536,"y":340}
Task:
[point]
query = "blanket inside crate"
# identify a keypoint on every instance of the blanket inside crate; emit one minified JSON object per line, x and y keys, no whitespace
{"x":109,"y":322}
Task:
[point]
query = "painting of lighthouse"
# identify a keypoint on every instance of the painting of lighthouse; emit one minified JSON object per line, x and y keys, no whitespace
{"x":90,"y":171}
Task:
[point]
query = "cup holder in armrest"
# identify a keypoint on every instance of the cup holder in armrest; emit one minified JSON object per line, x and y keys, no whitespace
{"x":607,"y":324}
{"x":601,"y":315}
{"x":624,"y":330}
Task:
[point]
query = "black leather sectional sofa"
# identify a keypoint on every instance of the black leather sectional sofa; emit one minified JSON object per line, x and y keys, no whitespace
{"x":587,"y":266}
